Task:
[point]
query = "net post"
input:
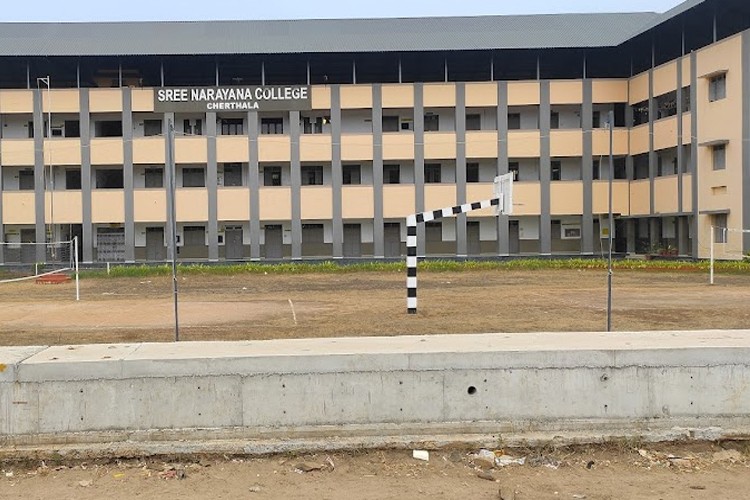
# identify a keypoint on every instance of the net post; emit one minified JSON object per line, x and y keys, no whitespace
{"x":75,"y":266}
{"x":711,"y":265}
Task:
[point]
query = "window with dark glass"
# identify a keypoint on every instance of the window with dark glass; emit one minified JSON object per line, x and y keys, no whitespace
{"x":474,"y":122}
{"x":232,"y":174}
{"x":513,"y":169}
{"x":312,"y":175}
{"x":272,"y":176}
{"x":719,"y":157}
{"x":514,"y":121}
{"x":109,"y":178}
{"x":232,"y":126}
{"x":193,"y":177}
{"x":554,"y":120}
{"x":640,"y":113}
{"x":717,"y":87}
{"x":391,"y":174}
{"x":472,"y":172}
{"x":108,"y":128}
{"x":432,"y":173}
{"x":686,"y":99}
{"x":271,"y":126}
{"x":26,"y":179}
{"x":390,"y":124}
{"x":154,"y":177}
{"x":72,"y":128}
{"x":352,"y":174}
{"x":151,"y":127}
{"x":556,"y":173}
{"x":431,"y":122}
{"x":73,"y":178}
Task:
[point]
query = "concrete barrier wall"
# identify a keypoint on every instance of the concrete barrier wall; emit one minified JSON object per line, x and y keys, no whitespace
{"x":375,"y":391}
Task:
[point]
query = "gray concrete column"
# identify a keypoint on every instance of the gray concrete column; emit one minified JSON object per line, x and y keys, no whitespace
{"x":377,"y":171}
{"x":629,"y":158}
{"x":587,"y":169}
{"x":212,"y":188}
{"x":168,"y":174}
{"x":419,"y":162}
{"x":503,"y":221}
{"x":680,"y":155}
{"x":39,"y":178}
{"x":127,"y":173}
{"x":336,"y":173}
{"x":745,"y":141}
{"x":694,"y":150}
{"x":651,"y":153}
{"x":545,"y":170}
{"x":294,"y":133}
{"x":253,"y":181}
{"x":461,"y":243}
{"x":87,"y":245}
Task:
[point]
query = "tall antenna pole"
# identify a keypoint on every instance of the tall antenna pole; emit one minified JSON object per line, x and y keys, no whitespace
{"x":611,"y":220}
{"x":171,"y":175}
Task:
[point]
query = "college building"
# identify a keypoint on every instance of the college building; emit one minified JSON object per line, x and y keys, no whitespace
{"x":317,"y":138}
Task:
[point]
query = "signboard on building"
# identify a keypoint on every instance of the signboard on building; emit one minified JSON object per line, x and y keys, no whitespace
{"x":234,"y":98}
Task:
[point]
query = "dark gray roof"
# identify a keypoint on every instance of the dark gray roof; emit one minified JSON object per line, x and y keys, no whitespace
{"x":326,"y":36}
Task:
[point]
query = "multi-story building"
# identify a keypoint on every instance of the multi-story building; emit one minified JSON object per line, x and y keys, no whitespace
{"x":298,"y":139}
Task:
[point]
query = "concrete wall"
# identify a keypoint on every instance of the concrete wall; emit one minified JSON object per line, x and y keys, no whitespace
{"x":225,"y":396}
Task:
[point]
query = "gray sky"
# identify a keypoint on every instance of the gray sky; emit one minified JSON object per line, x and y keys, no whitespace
{"x":150,"y":10}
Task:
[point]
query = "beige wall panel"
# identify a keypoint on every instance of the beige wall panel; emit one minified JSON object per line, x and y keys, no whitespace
{"x":143,"y":100}
{"x":439,"y":145}
{"x":523,"y":144}
{"x":398,"y":201}
{"x":17,"y":152}
{"x":523,"y":93}
{"x":566,"y":92}
{"x":274,"y":148}
{"x":665,"y":133}
{"x":638,"y":90}
{"x":107,"y":206}
{"x":192,"y":204}
{"x":687,"y":192}
{"x":398,"y":146}
{"x":666,"y":200}
{"x":607,"y":91}
{"x":665,"y":78}
{"x":527,"y":198}
{"x":320,"y":97}
{"x":18,"y":207}
{"x":640,"y":203}
{"x":356,"y":96}
{"x":639,"y":140}
{"x":275,"y":203}
{"x":16,"y":101}
{"x":566,"y":198}
{"x":62,"y":151}
{"x":566,"y":143}
{"x":357,"y":202}
{"x":149,"y":150}
{"x":64,"y":207}
{"x":232,"y":149}
{"x":191,"y":149}
{"x":356,"y":147}
{"x":233,"y":204}
{"x":105,"y":100}
{"x":480,"y":191}
{"x":481,"y":144}
{"x":481,"y":95}
{"x":439,"y":95}
{"x":600,"y":142}
{"x":437,"y":196}
{"x":63,"y":100}
{"x":315,"y":147}
{"x":398,"y":95}
{"x":150,"y":205}
{"x":620,"y":197}
{"x":316,"y":202}
{"x":106,"y":151}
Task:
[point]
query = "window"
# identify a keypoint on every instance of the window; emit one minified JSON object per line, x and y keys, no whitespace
{"x":666,"y":105}
{"x":154,"y":177}
{"x":717,"y":87}
{"x":312,"y":233}
{"x":554,"y":120}
{"x":193,"y":177}
{"x":686,"y":99}
{"x":72,"y":128}
{"x":514,"y":121}
{"x":390,"y":124}
{"x":719,"y":222}
{"x":30,"y":129}
{"x":193,"y":127}
{"x":596,"y":170}
{"x":432,"y":173}
{"x":26,"y":179}
{"x":108,"y":128}
{"x":195,"y":236}
{"x":391,"y":174}
{"x":556,"y":173}
{"x":597,"y":119}
{"x":312,"y":175}
{"x":474,"y":122}
{"x":72,"y":178}
{"x":640,"y":113}
{"x":352,"y":174}
{"x":272,"y":176}
{"x":314,"y":125}
{"x":513,"y":168}
{"x":271,"y":126}
{"x":472,"y":172}
{"x":719,"y":157}
{"x":151,"y":128}
{"x":431,"y":122}
{"x":232,"y":174}
{"x":232,"y":126}
{"x":109,"y":178}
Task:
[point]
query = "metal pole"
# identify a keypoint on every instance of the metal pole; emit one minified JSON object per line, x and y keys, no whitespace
{"x":173,"y":222}
{"x":75,"y":257}
{"x":711,"y":271}
{"x":611,"y":221}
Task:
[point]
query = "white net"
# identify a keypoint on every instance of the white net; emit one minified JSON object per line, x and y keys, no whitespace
{"x":27,"y":260}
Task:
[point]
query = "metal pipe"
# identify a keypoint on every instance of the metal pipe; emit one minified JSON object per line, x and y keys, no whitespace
{"x":173,"y":222}
{"x":611,"y":220}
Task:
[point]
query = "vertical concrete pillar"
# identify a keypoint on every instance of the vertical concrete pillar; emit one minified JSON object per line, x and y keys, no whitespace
{"x":680,"y":155}
{"x":461,"y":243}
{"x":545,"y":170}
{"x":336,"y":173}
{"x":87,"y":245}
{"x":694,"y":150}
{"x":587,"y":169}
{"x":377,"y":171}
{"x":169,"y":172}
{"x":503,"y":221}
{"x":39,"y":178}
{"x":127,"y":173}
{"x":253,"y":181}
{"x":419,"y":162}
{"x":651,"y":153}
{"x":294,"y":132}
{"x":212,"y":188}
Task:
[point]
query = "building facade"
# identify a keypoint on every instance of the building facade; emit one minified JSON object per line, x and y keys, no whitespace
{"x":390,"y":117}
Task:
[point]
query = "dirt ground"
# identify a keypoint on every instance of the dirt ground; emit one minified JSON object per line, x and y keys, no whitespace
{"x":253,"y":306}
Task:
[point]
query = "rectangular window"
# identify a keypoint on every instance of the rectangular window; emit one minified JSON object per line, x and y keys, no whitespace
{"x":352,"y":174}
{"x":108,"y":128}
{"x":596,"y":170}
{"x":686,"y":99}
{"x":717,"y":87}
{"x":26,"y":180}
{"x":233,"y":174}
{"x":232,"y":126}
{"x":72,"y":178}
{"x":556,"y":173}
{"x":391,"y":174}
{"x":193,"y":177}
{"x":514,"y":121}
{"x":195,"y":236}
{"x":513,"y":168}
{"x":640,"y":113}
{"x":472,"y":172}
{"x":431,"y":122}
{"x":271,"y":126}
{"x":666,"y":105}
{"x":314,"y":125}
{"x":432,"y":173}
{"x":72,"y":128}
{"x":390,"y":124}
{"x":719,"y":157}
{"x":30,"y":129}
{"x":154,"y":177}
{"x":554,"y":120}
{"x":312,"y":175}
{"x":597,"y":119}
{"x":109,"y":178}
{"x":474,"y":122}
{"x":272,"y":176}
{"x":151,"y":128}
{"x":719,"y":222}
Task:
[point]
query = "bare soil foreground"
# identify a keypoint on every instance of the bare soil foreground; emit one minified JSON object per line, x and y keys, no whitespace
{"x":257,"y":306}
{"x":666,"y":472}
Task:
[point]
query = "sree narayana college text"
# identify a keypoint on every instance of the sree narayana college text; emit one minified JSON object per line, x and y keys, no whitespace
{"x":231,"y":98}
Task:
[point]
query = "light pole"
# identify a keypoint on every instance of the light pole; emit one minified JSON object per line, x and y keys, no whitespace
{"x":611,"y":222}
{"x":46,"y":81}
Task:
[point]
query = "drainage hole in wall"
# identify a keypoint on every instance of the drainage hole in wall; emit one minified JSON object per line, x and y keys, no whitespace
{"x":283,"y":386}
{"x":472,"y":390}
